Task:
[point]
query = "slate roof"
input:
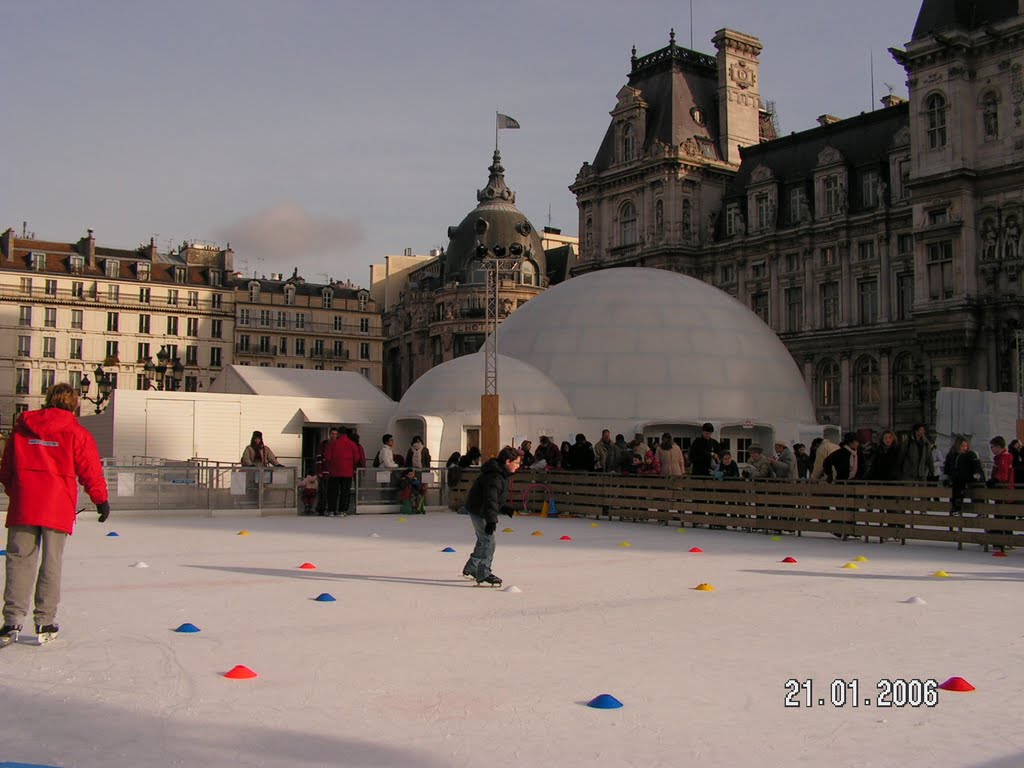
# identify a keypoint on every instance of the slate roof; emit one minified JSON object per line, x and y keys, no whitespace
{"x":941,"y":15}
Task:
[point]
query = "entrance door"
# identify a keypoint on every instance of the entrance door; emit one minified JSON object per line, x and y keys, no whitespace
{"x":311,"y":439}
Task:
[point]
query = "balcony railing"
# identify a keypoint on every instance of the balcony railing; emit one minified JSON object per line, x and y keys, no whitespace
{"x":330,"y":354}
{"x":126,"y":299}
{"x":258,"y":351}
{"x":290,"y":326}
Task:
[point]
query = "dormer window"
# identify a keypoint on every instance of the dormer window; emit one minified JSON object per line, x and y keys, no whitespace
{"x":180,"y":275}
{"x":938,"y":216}
{"x":254,"y":291}
{"x":112,"y":268}
{"x":215,"y":277}
{"x":289,"y":295}
{"x":528,"y":273}
{"x":142,"y":270}
{"x":328,"y":297}
{"x":38,"y":261}
{"x":76,"y":264}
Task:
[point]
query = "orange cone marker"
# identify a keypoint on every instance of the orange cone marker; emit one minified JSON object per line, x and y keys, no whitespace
{"x":240,"y":672}
{"x":307,"y":567}
{"x":957,"y":684}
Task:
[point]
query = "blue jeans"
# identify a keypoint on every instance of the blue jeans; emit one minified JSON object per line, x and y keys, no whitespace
{"x":479,"y":563}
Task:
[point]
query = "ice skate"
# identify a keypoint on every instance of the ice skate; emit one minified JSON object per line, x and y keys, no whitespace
{"x":9,"y":634}
{"x":467,"y":573}
{"x":46,"y":634}
{"x":489,"y":581}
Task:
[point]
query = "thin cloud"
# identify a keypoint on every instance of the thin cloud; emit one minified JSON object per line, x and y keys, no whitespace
{"x":288,"y":232}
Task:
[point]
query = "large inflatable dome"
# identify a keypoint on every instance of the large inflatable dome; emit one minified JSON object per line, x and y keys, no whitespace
{"x":649,"y":345}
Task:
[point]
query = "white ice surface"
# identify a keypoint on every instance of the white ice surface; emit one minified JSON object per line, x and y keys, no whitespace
{"x":413,"y":666}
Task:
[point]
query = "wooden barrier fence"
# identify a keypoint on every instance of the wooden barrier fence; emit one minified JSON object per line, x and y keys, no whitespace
{"x":989,"y":516}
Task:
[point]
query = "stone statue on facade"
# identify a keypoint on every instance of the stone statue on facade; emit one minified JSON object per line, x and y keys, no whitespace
{"x":740,"y":226}
{"x":843,"y":199}
{"x":1011,"y":238}
{"x":989,"y":241}
{"x":709,"y":230}
{"x":687,"y":226}
{"x":882,"y":191}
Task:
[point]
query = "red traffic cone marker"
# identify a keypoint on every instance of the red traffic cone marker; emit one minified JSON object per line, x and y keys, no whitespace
{"x":696,"y":550}
{"x":307,"y":567}
{"x":240,"y":672}
{"x":999,"y":553}
{"x":957,"y":684}
{"x":789,"y":560}
{"x":566,"y":538}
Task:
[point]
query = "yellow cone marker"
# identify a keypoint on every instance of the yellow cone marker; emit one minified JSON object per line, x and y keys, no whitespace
{"x":593,"y":525}
{"x":860,"y":559}
{"x":625,"y":544}
{"x":536,"y":533}
{"x":941,"y":574}
{"x":242,"y":533}
{"x":851,"y":566}
{"x":401,"y":519}
{"x":680,"y":529}
{"x":704,"y":588}
{"x":507,"y":530}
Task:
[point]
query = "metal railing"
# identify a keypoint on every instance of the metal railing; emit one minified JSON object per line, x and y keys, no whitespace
{"x":199,"y":487}
{"x":377,"y":488}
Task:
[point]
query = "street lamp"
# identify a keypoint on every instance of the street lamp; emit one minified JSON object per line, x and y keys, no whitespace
{"x":104,"y":383}
{"x":167,"y":371}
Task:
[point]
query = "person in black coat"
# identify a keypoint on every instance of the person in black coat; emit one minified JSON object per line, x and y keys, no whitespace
{"x":704,"y":452}
{"x":966,"y":471}
{"x":487,"y":498}
{"x":887,"y":461}
{"x":842,"y":464}
{"x":581,"y":455}
{"x":1017,"y":452}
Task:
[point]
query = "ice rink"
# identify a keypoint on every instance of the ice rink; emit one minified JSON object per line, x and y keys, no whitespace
{"x":414,"y":666}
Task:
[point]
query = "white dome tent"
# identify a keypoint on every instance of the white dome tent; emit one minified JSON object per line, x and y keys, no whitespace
{"x":630,"y":350}
{"x":443,"y":405}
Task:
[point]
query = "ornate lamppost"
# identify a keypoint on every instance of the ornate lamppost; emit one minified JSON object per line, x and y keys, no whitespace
{"x":105,"y":385}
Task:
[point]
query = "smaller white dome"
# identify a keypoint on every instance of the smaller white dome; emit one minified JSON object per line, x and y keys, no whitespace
{"x":455,"y":387}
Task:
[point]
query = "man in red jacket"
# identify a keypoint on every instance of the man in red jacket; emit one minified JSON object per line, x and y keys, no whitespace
{"x":340,"y":459}
{"x":47,"y":455}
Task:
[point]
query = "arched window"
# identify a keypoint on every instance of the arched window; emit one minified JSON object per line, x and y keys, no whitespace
{"x":659,"y":216}
{"x":289,"y":295}
{"x":627,"y":224}
{"x":866,"y":382}
{"x":904,"y":372}
{"x":327,"y":297}
{"x":935,"y":110}
{"x":990,"y":115}
{"x":527,"y":273}
{"x":828,"y":383}
{"x":254,"y":291}
{"x":628,"y":142}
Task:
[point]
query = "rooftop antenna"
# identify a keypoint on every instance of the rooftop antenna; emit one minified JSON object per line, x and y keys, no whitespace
{"x":871,"y":59}
{"x":549,"y":214}
{"x":691,"y":25}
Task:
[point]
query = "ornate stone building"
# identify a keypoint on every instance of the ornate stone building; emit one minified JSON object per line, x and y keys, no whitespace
{"x":294,"y":324}
{"x":883,"y":249}
{"x":148,"y":320}
{"x":438,"y":307}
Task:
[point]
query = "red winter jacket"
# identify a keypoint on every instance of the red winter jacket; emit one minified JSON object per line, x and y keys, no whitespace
{"x":340,"y":457}
{"x":1002,"y":468}
{"x":45,"y":457}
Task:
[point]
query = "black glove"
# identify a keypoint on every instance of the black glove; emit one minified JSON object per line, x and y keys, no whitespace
{"x":103,"y":510}
{"x":490,"y":527}
{"x":510,"y":511}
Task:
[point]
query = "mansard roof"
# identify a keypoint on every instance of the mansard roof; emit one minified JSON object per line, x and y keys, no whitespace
{"x":861,"y":141}
{"x":942,"y":15}
{"x":672,"y":81}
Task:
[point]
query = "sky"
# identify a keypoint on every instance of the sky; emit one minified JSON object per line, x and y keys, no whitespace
{"x":324,"y":134}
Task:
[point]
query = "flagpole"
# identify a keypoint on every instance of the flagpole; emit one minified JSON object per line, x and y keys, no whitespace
{"x":495,"y":130}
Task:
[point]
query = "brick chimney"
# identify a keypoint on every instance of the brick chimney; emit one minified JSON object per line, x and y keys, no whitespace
{"x":87,"y":248}
{"x":891,"y":100}
{"x":7,"y":244}
{"x":824,"y":120}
